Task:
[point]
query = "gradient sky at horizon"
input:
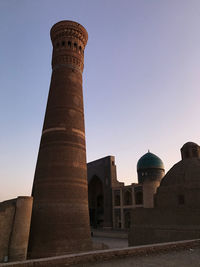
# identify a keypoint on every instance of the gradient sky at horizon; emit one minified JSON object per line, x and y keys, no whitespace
{"x":141,"y":81}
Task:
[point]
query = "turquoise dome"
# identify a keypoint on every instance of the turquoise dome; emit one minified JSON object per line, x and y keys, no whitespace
{"x":149,"y":161}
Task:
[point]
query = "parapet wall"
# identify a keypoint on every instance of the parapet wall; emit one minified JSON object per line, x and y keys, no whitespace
{"x":150,"y":226}
{"x":15,"y":217}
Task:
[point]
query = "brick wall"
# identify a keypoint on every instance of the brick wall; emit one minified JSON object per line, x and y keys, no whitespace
{"x":15,"y":215}
{"x":150,"y":226}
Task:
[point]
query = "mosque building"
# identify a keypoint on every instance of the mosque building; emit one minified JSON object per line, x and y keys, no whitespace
{"x":176,"y":212}
{"x":159,"y":208}
{"x":110,"y":201}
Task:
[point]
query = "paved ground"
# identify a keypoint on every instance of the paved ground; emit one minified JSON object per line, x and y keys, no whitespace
{"x":190,"y":257}
{"x":111,"y":242}
{"x":184,"y":258}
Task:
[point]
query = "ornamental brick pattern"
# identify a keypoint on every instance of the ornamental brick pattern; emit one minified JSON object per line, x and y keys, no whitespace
{"x":60,"y":218}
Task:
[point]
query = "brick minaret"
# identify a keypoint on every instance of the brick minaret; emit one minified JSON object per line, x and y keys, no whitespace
{"x":60,"y":219}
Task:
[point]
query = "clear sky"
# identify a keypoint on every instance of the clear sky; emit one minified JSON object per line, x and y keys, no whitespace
{"x":141,"y":81}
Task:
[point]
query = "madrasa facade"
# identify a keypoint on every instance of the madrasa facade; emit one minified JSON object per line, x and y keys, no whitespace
{"x":110,"y":201}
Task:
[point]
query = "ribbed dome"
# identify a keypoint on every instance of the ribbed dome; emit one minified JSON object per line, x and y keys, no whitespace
{"x":149,"y":161}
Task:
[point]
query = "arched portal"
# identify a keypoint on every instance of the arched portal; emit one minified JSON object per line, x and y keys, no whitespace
{"x":96,"y":202}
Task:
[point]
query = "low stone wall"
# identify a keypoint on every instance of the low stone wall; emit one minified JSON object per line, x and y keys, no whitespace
{"x":105,"y":255}
{"x":15,"y":216}
{"x":150,"y":226}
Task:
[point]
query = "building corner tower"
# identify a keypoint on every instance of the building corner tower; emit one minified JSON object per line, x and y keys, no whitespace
{"x":60,"y":218}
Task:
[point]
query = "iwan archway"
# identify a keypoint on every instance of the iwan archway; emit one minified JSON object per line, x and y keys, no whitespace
{"x":96,"y":202}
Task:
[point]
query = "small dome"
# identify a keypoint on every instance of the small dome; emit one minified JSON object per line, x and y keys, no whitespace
{"x":150,"y":161}
{"x":190,"y":150}
{"x":189,"y":144}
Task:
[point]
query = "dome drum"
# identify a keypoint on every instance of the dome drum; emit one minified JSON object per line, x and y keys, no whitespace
{"x":150,"y":175}
{"x":150,"y":167}
{"x":190,"y":150}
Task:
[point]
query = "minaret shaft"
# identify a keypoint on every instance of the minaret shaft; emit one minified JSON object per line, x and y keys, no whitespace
{"x":60,"y":219}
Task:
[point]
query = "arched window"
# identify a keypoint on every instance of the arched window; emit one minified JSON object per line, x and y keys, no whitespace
{"x":69,"y":44}
{"x":127,"y":198}
{"x":139,"y":198}
{"x":75,"y":46}
{"x":63,"y":43}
